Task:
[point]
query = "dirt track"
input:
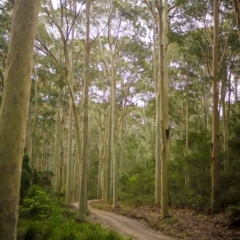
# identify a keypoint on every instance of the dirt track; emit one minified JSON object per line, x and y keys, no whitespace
{"x":124,"y":225}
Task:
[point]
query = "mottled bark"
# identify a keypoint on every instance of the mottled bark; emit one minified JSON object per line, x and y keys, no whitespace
{"x":163,"y":91}
{"x":82,"y":210}
{"x":158,"y":129}
{"x":14,"y":111}
{"x":215,"y":116}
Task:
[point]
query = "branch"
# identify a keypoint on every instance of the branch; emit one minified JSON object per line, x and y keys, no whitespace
{"x":48,"y":52}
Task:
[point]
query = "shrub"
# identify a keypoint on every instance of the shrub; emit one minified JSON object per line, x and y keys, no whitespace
{"x":44,"y":217}
{"x":37,"y":205}
{"x":233,"y":215}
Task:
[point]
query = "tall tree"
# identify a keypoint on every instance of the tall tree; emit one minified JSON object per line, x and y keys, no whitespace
{"x":163,"y":92}
{"x":84,"y":153}
{"x":215,"y":114}
{"x":14,"y":111}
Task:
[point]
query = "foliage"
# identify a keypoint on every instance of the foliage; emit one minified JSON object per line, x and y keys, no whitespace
{"x":190,"y":199}
{"x":37,"y":205}
{"x":44,"y":217}
{"x":233,"y":215}
{"x":197,"y":195}
{"x":26,"y":177}
{"x":137,"y":187}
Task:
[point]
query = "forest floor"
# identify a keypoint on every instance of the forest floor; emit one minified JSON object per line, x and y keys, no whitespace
{"x":182,"y":223}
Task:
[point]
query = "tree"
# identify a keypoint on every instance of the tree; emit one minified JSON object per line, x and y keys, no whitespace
{"x":163,"y":103}
{"x":215,"y":114}
{"x":84,"y":153}
{"x":14,"y":111}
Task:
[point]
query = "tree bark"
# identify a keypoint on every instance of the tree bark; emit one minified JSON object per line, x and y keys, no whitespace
{"x":57,"y":143}
{"x":163,"y":91}
{"x":215,"y":116}
{"x":14,"y":111}
{"x":84,"y":153}
{"x":158,"y":129}
{"x":70,"y":135}
{"x":187,"y":133}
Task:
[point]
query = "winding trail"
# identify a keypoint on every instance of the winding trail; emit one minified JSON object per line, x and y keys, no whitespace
{"x":124,"y":225}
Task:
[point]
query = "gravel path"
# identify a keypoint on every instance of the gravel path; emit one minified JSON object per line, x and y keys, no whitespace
{"x":124,"y":225}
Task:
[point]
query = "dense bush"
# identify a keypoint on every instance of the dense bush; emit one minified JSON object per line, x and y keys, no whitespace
{"x":190,"y":199}
{"x":44,"y":217}
{"x":233,"y":215}
{"x":37,"y":205}
{"x":137,"y":187}
{"x":26,"y":177}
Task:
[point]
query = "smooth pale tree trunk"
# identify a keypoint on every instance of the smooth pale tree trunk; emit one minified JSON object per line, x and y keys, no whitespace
{"x":113,"y":115}
{"x":82,"y":211}
{"x":163,"y":91}
{"x":224,"y":106}
{"x":61,"y":154}
{"x":105,"y":159}
{"x":69,"y":158}
{"x":187,"y":133}
{"x":14,"y":111}
{"x":158,"y":129}
{"x":206,"y":107}
{"x":70,"y":135}
{"x":215,"y":116}
{"x":113,"y":134}
{"x":76,"y":176}
{"x":57,"y":143}
{"x":100,"y":169}
{"x":102,"y":161}
{"x":108,"y":165}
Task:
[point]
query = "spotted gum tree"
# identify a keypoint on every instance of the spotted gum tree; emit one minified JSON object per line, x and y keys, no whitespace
{"x":14,"y":111}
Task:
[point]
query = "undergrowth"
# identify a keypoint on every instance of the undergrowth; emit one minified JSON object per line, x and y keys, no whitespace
{"x":42,"y":217}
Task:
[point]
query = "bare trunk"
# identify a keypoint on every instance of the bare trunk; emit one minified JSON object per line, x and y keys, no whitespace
{"x":70,"y":123}
{"x":187,"y":134}
{"x":14,"y":111}
{"x":108,"y":165}
{"x":113,"y":135}
{"x":56,"y":144}
{"x":158,"y":130}
{"x":215,"y":117}
{"x":82,"y":211}
{"x":163,"y":90}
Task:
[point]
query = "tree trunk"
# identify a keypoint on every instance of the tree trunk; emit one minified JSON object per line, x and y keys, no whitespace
{"x":163,"y":91}
{"x":108,"y":164}
{"x":113,"y":114}
{"x":56,"y":144}
{"x":14,"y":111}
{"x":70,"y":123}
{"x":215,"y":116}
{"x":69,"y":158}
{"x":84,"y":153}
{"x":187,"y":133}
{"x":158,"y":130}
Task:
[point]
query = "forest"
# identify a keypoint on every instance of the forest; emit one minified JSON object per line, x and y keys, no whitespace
{"x":131,"y":102}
